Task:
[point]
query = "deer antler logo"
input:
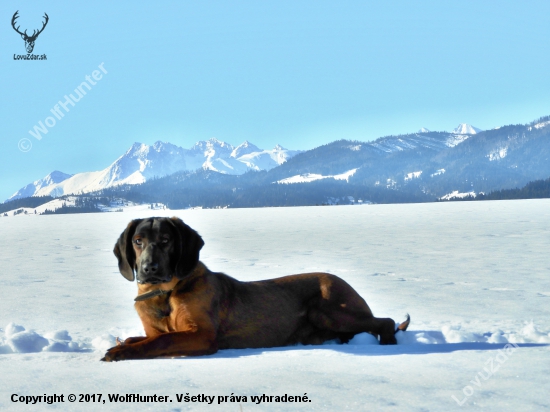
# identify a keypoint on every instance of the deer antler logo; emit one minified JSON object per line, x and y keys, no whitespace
{"x":29,"y":40}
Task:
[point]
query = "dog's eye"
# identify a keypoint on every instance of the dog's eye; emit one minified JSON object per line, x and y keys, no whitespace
{"x":165,"y":240}
{"x":138,"y":241}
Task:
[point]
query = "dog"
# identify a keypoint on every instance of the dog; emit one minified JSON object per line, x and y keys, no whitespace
{"x":188,"y":310}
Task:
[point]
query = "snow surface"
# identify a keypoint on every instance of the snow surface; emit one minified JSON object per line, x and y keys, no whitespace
{"x":498,"y":153}
{"x":116,"y":206}
{"x":458,"y":195}
{"x":413,"y":175}
{"x":473,"y":276}
{"x":456,"y":139}
{"x":540,"y":125}
{"x":438,"y":172}
{"x":51,"y":206}
{"x":310,"y":177}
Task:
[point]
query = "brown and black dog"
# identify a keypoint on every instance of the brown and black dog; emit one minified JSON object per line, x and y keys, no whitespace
{"x":187,"y":310}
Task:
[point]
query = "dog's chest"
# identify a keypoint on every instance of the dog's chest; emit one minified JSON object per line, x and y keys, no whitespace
{"x":159,"y":315}
{"x":155,"y":312}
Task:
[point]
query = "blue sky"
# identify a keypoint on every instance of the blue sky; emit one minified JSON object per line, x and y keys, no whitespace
{"x":297,"y":73}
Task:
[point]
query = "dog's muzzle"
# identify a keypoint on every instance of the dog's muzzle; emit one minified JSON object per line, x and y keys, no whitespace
{"x":149,"y":273}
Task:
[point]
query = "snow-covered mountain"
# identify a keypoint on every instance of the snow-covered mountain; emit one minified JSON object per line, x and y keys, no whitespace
{"x":139,"y":163}
{"x":243,"y":149}
{"x":32,"y":188}
{"x":267,"y":159}
{"x":464,"y":128}
{"x":224,"y":158}
{"x":216,"y":155}
{"x":423,"y":163}
{"x":142,"y":162}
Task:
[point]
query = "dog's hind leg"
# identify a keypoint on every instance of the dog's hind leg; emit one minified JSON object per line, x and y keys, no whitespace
{"x":346,"y":324}
{"x":339,"y":308}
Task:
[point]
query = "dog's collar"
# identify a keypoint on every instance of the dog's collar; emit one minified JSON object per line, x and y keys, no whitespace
{"x":152,"y":294}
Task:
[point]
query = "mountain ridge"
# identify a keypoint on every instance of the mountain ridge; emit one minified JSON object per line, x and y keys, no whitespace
{"x":142,"y":162}
{"x":426,"y":164}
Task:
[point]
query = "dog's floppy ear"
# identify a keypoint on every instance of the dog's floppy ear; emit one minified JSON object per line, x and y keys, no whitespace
{"x":190,"y":244}
{"x":124,"y":251}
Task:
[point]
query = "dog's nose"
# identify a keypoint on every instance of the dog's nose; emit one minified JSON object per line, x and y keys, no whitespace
{"x":150,"y":268}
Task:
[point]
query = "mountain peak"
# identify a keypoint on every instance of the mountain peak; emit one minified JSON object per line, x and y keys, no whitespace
{"x":168,"y":147}
{"x":424,"y":130}
{"x":217,"y":142}
{"x":244,"y":148}
{"x":136,"y":148}
{"x":464,"y":128}
{"x":51,"y":179}
{"x":210,"y":144}
{"x":56,"y":176}
{"x":158,"y":144}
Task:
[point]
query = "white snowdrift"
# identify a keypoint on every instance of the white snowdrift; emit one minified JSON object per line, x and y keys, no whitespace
{"x":16,"y":339}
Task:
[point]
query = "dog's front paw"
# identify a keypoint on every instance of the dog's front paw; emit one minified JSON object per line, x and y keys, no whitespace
{"x":115,"y":354}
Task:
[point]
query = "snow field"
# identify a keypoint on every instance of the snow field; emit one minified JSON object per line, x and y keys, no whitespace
{"x":473,"y":276}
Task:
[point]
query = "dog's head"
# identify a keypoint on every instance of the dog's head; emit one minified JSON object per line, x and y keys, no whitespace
{"x":156,"y":249}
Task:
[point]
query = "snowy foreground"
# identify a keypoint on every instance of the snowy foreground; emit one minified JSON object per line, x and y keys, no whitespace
{"x":473,"y":276}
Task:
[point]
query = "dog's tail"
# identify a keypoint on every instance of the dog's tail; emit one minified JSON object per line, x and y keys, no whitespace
{"x":404,"y":325}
